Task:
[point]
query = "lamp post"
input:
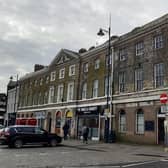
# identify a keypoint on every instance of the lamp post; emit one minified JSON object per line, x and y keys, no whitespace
{"x":102,"y":32}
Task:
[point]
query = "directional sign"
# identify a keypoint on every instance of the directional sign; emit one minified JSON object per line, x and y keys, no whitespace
{"x":163,"y":98}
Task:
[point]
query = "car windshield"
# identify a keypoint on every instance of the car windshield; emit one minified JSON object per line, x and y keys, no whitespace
{"x":2,"y":126}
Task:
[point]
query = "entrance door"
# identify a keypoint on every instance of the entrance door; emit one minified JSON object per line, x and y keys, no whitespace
{"x":161,"y":133}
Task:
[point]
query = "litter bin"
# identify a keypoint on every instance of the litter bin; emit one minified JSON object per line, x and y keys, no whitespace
{"x":112,"y":137}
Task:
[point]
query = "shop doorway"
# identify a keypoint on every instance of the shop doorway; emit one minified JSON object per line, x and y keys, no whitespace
{"x":92,"y":122}
{"x":49,"y":121}
{"x":58,"y":123}
{"x":161,"y":133}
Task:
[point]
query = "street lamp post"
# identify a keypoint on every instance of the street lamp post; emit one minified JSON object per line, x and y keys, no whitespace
{"x":102,"y":33}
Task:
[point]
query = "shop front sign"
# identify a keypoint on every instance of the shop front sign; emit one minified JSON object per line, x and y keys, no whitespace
{"x":88,"y":110}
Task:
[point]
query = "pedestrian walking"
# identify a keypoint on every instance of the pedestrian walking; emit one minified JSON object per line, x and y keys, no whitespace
{"x":85,"y":133}
{"x":66,"y":130}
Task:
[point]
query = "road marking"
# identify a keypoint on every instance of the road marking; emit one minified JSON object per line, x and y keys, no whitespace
{"x":20,"y":155}
{"x":136,"y":164}
{"x":64,"y":152}
{"x":164,"y":160}
{"x":43,"y":154}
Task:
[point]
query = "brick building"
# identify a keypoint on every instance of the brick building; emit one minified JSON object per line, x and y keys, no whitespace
{"x":3,"y":100}
{"x":73,"y":87}
{"x":140,"y":76}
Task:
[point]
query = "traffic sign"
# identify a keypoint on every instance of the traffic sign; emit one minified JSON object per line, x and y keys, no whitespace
{"x":163,"y":98}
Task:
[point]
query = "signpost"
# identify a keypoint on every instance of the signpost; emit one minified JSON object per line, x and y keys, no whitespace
{"x":163,"y":98}
{"x":164,"y":108}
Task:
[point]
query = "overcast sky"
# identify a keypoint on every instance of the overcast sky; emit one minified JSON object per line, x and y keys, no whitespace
{"x":33,"y":31}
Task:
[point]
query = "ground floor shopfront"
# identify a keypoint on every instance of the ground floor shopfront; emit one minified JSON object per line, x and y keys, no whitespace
{"x":54,"y":120}
{"x":137,"y":122}
{"x":50,"y":120}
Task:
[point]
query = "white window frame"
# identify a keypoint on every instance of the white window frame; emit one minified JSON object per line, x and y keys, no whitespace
{"x":140,"y":125}
{"x":45,"y":97}
{"x":122,"y":122}
{"x":139,"y":79}
{"x":122,"y":54}
{"x":95,"y":88}
{"x":70,"y":92}
{"x":53,"y":76}
{"x":106,"y":85}
{"x":139,"y":48}
{"x":159,"y":75}
{"x":62,"y":73}
{"x":41,"y":81}
{"x":35,"y":82}
{"x":122,"y":82}
{"x":60,"y":93}
{"x":39,"y":98}
{"x":47,"y":79}
{"x":71,"y":70}
{"x":85,"y":67}
{"x":84,"y":91}
{"x":51,"y":94}
{"x":158,"y":41}
{"x":97,"y":63}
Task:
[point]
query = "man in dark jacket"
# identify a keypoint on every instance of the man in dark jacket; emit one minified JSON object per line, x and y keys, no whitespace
{"x":85,"y":133}
{"x":66,"y":130}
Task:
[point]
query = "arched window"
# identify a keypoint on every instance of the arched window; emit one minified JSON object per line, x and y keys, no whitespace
{"x":140,"y":122}
{"x":58,"y":119}
{"x":122,"y":121}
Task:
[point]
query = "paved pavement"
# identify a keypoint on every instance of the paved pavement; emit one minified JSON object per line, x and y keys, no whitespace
{"x":74,"y":154}
{"x":153,"y":151}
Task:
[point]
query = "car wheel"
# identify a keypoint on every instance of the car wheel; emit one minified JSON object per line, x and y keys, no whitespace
{"x":18,"y":143}
{"x":10,"y":145}
{"x":53,"y":142}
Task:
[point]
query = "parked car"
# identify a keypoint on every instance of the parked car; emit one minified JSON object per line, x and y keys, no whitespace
{"x":19,"y":135}
{"x":1,"y":132}
{"x":2,"y":126}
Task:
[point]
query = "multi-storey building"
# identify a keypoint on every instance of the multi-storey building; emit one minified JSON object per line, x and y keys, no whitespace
{"x":140,"y":77}
{"x":2,"y":107}
{"x":49,"y":94}
{"x":74,"y":87}
{"x":12,"y":102}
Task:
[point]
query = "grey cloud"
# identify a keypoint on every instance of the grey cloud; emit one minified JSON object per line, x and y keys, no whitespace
{"x":34,"y":31}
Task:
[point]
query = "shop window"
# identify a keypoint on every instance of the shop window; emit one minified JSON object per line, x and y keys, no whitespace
{"x":58,"y":120}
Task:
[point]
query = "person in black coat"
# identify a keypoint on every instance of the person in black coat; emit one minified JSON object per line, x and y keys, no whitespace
{"x":85,"y":133}
{"x":66,"y":130}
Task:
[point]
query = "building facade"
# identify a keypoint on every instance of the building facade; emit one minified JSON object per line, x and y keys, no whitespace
{"x":73,"y":88}
{"x":140,"y":77}
{"x":2,"y":107}
{"x":12,"y":102}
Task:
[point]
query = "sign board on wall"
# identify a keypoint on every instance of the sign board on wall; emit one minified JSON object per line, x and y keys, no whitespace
{"x":164,"y":109}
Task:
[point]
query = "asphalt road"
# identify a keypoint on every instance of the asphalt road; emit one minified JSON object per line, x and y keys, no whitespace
{"x":76,"y":154}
